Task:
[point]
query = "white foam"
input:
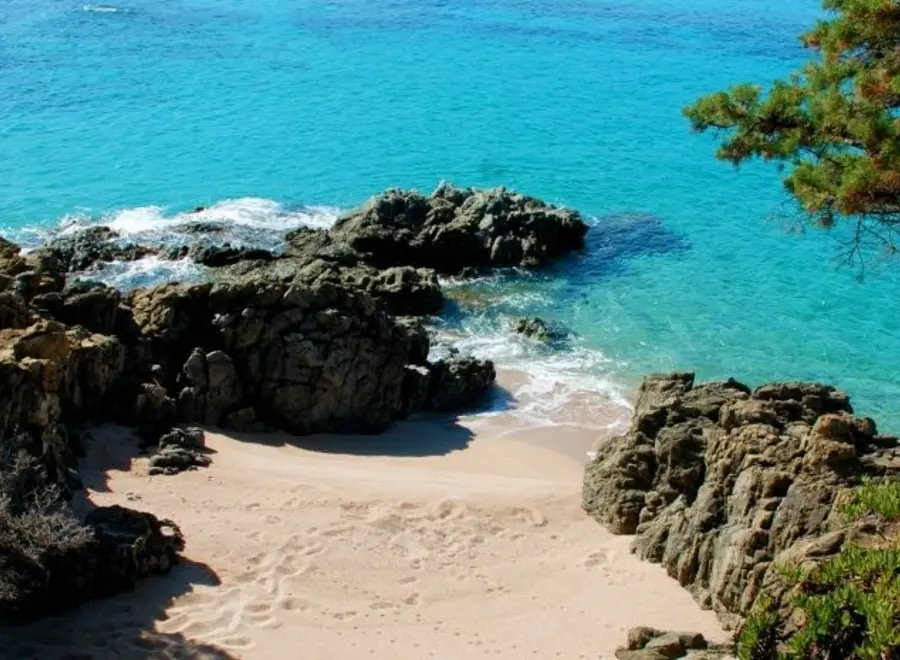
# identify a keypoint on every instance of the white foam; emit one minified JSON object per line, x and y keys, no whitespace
{"x":572,"y":386}
{"x":249,"y":212}
{"x":101,"y":9}
{"x":149,"y":271}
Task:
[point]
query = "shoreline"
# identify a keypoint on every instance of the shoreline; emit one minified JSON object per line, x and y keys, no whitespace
{"x":475,"y":547}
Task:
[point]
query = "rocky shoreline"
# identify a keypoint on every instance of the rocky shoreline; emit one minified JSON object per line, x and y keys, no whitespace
{"x":729,"y":487}
{"x":721,"y":484}
{"x":307,"y":341}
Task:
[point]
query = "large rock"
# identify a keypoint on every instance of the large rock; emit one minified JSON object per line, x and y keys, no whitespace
{"x":92,"y":305}
{"x":456,"y":229}
{"x":48,"y":374}
{"x":49,"y":561}
{"x":88,"y":248}
{"x":395,"y":245}
{"x":304,"y":358}
{"x":716,"y":480}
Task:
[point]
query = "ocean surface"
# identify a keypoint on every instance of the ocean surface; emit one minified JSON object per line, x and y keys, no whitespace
{"x":276,"y":113}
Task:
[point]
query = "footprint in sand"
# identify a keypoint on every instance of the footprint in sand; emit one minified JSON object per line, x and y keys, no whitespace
{"x":238,"y":643}
{"x":597,"y":558}
{"x":409,"y":579}
{"x":293,"y":604}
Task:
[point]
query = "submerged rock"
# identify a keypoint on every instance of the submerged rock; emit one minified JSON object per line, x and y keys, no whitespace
{"x":539,"y":329}
{"x":87,"y":248}
{"x":716,"y":480}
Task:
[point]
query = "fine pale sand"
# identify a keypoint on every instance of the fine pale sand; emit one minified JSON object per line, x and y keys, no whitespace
{"x":440,"y":539}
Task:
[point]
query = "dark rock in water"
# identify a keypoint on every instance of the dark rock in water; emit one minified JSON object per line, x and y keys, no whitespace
{"x":455,"y":229}
{"x":539,"y":329}
{"x":87,"y":248}
{"x":717,"y":481}
{"x":68,"y":562}
{"x":394,"y":246}
{"x":180,"y":449}
{"x":201,"y":227}
{"x":225,"y":255}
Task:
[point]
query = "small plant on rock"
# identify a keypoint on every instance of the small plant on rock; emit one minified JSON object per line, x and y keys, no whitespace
{"x":848,"y":607}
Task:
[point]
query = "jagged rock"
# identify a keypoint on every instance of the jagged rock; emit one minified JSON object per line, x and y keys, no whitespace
{"x":28,"y":275}
{"x":716,"y":480}
{"x":226,"y":254}
{"x":87,"y":248}
{"x":180,"y":449}
{"x":14,"y":312}
{"x":111,"y":551}
{"x":49,"y":373}
{"x":458,"y":382}
{"x":213,"y":387}
{"x":652,"y":644}
{"x":539,"y":329}
{"x":455,"y":229}
{"x":91,"y":305}
{"x":394,"y":246}
{"x":307,"y":358}
{"x":183,"y":438}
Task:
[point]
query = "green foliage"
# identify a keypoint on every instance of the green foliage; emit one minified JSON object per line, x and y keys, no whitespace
{"x":882,"y":498}
{"x":848,"y":606}
{"x":836,"y":122}
{"x":851,"y":606}
{"x":758,"y":637}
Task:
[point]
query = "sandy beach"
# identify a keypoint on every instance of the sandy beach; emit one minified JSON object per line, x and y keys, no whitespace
{"x":439,"y":539}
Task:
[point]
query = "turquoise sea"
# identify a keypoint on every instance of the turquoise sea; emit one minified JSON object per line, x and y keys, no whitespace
{"x":275,"y":112}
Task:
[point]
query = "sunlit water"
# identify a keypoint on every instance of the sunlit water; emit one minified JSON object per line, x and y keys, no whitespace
{"x":277,"y":113}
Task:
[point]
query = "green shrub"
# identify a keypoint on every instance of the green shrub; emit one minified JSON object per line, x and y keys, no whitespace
{"x":875,"y":497}
{"x":848,"y":607}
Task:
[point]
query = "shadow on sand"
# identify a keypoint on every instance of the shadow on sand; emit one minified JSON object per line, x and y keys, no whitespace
{"x":421,"y":435}
{"x":125,"y":625}
{"x":120,"y":626}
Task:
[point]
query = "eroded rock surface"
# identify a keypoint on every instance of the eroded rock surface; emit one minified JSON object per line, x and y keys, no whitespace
{"x":717,"y":480}
{"x":396,"y":245}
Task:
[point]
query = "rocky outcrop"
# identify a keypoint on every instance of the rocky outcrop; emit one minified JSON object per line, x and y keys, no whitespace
{"x":396,"y":245}
{"x":178,"y":450}
{"x":307,"y":359}
{"x":49,"y":561}
{"x":455,"y":229}
{"x":49,"y":373}
{"x":304,"y":341}
{"x":651,"y":644}
{"x":539,"y":329}
{"x":716,"y":480}
{"x":88,"y":248}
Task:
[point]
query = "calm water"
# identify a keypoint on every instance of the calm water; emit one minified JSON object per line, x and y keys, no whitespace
{"x":278,"y":112}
